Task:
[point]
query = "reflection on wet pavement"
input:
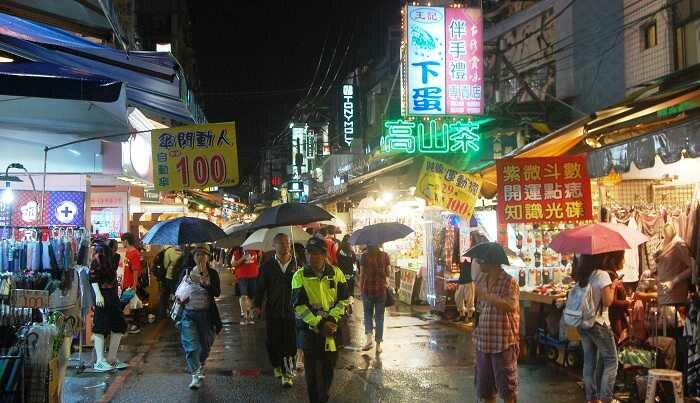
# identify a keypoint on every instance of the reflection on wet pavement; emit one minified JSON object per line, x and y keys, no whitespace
{"x":423,"y":360}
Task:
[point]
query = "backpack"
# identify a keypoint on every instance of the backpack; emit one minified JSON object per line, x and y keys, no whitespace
{"x":580,"y":310}
{"x":159,"y":269}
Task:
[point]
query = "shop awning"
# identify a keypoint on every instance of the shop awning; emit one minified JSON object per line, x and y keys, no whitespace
{"x":93,"y":17}
{"x":153,"y":79}
{"x":559,"y":142}
{"x":46,"y":80}
{"x":669,"y":143}
{"x":601,"y":126}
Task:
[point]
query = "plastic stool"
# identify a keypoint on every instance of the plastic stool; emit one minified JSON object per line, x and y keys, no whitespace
{"x":658,"y":375}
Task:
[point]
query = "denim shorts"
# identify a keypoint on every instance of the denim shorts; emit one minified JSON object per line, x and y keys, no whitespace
{"x":247,"y":286}
{"x":497,"y":372}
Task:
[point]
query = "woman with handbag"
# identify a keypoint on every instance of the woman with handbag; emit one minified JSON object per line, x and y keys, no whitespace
{"x":200,"y":320}
{"x":374,"y":269}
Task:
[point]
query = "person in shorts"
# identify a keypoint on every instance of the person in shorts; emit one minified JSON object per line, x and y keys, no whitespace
{"x":246,"y":264}
{"x":496,"y":336}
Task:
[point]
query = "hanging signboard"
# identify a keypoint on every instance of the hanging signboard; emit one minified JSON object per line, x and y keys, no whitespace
{"x":195,"y":157}
{"x":442,"y":66}
{"x":554,"y":189}
{"x":448,"y":187}
{"x":348,"y":115}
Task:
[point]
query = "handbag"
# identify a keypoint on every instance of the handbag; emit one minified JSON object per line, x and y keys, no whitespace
{"x":176,"y":311}
{"x":390,"y":300}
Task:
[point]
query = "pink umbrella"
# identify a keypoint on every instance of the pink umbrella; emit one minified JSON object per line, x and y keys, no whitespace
{"x":593,"y":239}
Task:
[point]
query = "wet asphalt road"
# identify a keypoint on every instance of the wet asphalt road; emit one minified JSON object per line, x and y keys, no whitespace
{"x":423,"y":361}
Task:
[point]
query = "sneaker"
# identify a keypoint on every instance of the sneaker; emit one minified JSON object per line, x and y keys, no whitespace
{"x":196,"y":382}
{"x":119,"y":365}
{"x":200,"y":373}
{"x":287,"y":381}
{"x":277,"y":372}
{"x":243,"y":322}
{"x":251,"y":322}
{"x":102,"y":366}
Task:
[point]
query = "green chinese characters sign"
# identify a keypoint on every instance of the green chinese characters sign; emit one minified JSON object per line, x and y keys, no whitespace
{"x":431,"y":136}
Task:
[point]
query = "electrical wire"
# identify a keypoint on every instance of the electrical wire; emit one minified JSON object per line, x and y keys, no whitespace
{"x":330,"y":66}
{"x":340,"y":66}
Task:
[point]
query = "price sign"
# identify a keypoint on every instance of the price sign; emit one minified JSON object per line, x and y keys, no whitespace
{"x":195,"y":157}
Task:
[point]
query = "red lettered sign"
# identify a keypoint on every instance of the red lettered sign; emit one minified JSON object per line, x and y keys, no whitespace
{"x":553,"y":189}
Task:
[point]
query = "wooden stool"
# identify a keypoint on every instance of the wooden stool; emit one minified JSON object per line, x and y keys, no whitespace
{"x":658,"y":375}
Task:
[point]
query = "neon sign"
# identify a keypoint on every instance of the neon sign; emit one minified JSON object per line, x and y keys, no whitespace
{"x":430,"y":137}
{"x":348,"y":114}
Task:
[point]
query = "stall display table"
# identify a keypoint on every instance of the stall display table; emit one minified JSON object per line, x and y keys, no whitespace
{"x":539,"y":298}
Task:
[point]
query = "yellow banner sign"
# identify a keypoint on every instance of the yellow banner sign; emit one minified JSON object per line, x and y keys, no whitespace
{"x":443,"y":185}
{"x":195,"y":157}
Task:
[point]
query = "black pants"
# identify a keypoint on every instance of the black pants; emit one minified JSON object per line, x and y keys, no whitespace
{"x":319,"y":366}
{"x":281,"y":340}
{"x":165,"y":288}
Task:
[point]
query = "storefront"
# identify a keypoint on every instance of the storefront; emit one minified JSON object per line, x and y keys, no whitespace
{"x":643,"y":166}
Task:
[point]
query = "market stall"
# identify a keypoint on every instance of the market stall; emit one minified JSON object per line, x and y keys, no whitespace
{"x":407,"y":254}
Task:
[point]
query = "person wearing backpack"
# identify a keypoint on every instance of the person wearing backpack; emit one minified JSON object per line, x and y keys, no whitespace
{"x":593,"y":294}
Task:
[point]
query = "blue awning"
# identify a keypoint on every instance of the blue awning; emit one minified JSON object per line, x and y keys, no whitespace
{"x":153,"y":79}
{"x":45,"y":80}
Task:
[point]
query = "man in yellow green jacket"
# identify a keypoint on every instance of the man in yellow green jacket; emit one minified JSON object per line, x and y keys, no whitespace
{"x":319,"y":295}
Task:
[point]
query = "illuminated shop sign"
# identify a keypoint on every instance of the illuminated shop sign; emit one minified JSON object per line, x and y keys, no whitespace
{"x":430,"y":136}
{"x":348,"y":114}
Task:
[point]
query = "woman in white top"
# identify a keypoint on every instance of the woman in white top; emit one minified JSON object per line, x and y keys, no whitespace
{"x":598,"y":342}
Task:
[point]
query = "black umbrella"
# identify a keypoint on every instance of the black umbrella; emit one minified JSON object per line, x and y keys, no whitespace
{"x":290,"y":214}
{"x":377,"y":234}
{"x":235,"y":235}
{"x":183,"y":231}
{"x":489,"y":252}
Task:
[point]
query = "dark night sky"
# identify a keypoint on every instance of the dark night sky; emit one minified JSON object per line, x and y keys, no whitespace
{"x":253,"y":57}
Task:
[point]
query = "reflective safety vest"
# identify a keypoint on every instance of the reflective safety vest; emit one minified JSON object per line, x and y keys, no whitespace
{"x":317,"y":300}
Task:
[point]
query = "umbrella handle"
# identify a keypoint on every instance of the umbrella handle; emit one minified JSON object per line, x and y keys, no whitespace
{"x":294,"y":251}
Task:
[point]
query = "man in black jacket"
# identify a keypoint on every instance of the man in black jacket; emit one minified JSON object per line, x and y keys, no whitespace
{"x":275,"y":282}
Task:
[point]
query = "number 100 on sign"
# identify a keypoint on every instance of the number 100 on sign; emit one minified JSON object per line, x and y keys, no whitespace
{"x":195,"y":157}
{"x":201,"y":170}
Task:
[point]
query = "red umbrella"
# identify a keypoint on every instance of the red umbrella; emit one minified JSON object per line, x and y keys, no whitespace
{"x":593,"y":239}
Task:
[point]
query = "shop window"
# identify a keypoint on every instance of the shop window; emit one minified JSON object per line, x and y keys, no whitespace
{"x":649,"y":35}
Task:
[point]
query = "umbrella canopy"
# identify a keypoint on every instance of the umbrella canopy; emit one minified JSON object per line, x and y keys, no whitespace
{"x":183,"y":231}
{"x":377,"y":234}
{"x":290,"y":214}
{"x":235,"y":235}
{"x":262,"y":238}
{"x":489,"y":252}
{"x":593,"y":239}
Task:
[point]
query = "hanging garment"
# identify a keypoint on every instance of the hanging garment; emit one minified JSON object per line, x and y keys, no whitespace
{"x":630,"y":271}
{"x":45,"y":257}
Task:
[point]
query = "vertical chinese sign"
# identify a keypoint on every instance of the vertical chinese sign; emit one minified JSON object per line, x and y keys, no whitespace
{"x":442,"y":61}
{"x":555,"y":189}
{"x":464,"y":77}
{"x":443,"y":185}
{"x":195,"y":157}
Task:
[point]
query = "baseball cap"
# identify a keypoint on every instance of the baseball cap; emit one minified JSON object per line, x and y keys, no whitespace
{"x":316,"y":245}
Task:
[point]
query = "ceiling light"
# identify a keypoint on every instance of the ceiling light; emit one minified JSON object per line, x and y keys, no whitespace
{"x":7,"y":196}
{"x":6,"y":59}
{"x":594,"y":142}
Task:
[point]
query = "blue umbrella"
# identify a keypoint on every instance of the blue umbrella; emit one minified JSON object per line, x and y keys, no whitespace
{"x":183,"y":231}
{"x":377,"y":234}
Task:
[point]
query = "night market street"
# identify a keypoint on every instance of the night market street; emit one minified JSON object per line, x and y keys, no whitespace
{"x":422,"y":361}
